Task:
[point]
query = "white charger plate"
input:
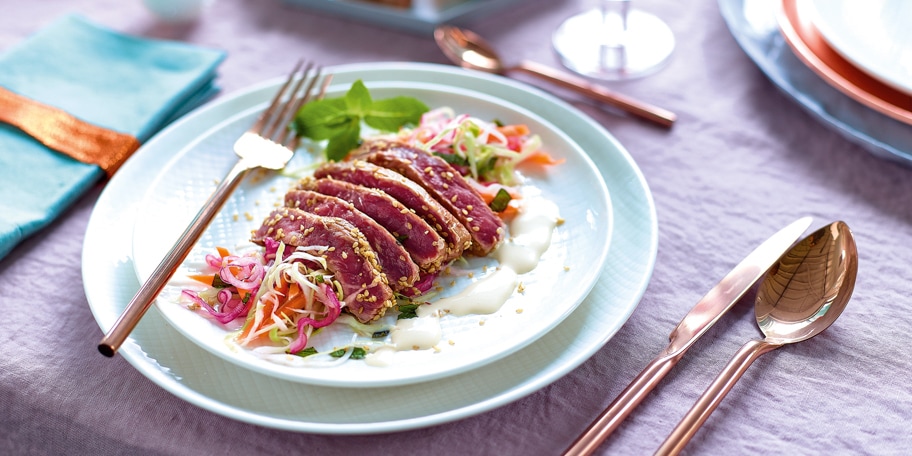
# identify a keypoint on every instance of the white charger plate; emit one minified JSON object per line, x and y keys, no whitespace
{"x":872,"y":34}
{"x":564,"y":276}
{"x":193,"y":374}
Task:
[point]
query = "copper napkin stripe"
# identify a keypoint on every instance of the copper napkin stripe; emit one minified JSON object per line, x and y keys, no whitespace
{"x":62,"y":132}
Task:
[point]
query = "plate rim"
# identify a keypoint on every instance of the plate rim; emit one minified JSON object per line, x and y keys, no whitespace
{"x":646,"y":234}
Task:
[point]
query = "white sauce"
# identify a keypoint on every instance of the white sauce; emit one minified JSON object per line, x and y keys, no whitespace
{"x":382,"y":357}
{"x":484,"y":296}
{"x":408,"y":334}
{"x":416,"y":333}
{"x":530,"y":237}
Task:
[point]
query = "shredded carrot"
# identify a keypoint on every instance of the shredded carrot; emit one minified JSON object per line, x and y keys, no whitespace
{"x":248,"y":328}
{"x":514,"y":130}
{"x":488,"y":192}
{"x":294,"y":300}
{"x":208,"y":279}
{"x":223,"y":252}
{"x":541,"y":157}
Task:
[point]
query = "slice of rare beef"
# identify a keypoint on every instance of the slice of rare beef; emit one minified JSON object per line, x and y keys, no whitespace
{"x":409,"y":193}
{"x":349,"y":257}
{"x":446,"y":185}
{"x":425,"y":246}
{"x":394,"y":260}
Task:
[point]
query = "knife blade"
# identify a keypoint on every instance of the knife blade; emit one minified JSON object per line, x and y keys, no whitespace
{"x":701,"y":317}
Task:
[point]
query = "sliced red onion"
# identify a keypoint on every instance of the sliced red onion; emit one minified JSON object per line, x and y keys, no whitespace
{"x":233,"y":311}
{"x":300,"y":343}
{"x":214,"y":261}
{"x":250,"y":272}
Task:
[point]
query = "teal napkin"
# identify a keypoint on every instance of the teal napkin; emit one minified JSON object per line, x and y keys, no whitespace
{"x":123,"y":83}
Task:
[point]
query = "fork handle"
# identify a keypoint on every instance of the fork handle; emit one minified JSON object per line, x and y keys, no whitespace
{"x":150,"y":289}
{"x":713,"y":395}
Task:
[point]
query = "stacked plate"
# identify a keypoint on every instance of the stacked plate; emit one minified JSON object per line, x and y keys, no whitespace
{"x":586,"y":287}
{"x":861,"y":47}
{"x":850,"y":63}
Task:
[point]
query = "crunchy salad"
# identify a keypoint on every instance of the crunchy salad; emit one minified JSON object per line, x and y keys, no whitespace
{"x":280,"y":296}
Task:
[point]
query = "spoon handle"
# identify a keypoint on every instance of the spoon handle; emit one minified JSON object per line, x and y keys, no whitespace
{"x":713,"y":395}
{"x":638,"y":108}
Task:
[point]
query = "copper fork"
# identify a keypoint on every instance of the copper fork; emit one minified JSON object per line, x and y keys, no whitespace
{"x":270,"y":144}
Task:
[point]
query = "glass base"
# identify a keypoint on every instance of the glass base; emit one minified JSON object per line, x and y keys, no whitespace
{"x":586,"y":45}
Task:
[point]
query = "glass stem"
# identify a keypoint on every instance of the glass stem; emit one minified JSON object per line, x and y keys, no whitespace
{"x":614,"y":19}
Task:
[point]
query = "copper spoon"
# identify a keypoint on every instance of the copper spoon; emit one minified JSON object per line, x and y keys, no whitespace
{"x":802,"y":295}
{"x":468,"y":50}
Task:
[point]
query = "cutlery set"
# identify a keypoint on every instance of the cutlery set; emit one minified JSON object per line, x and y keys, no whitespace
{"x":805,"y":288}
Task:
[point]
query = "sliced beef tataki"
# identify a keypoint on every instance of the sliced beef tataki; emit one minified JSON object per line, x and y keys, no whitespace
{"x":409,"y":193}
{"x":393,"y":258}
{"x":447,"y":186}
{"x":349,"y":257}
{"x":425,"y":246}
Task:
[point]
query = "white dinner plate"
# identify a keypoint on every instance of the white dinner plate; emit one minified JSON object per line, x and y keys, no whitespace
{"x":194,"y":374}
{"x":550,"y":292}
{"x":872,"y":34}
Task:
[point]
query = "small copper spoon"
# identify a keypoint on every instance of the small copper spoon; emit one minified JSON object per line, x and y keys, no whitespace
{"x":468,"y":50}
{"x":801,"y":295}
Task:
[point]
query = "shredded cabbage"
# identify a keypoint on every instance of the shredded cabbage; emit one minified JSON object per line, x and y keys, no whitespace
{"x":259,"y":288}
{"x":476,"y":147}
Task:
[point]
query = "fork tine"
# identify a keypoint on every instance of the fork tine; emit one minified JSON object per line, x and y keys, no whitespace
{"x":276,"y":100}
{"x":291,"y":138}
{"x":280,"y":119}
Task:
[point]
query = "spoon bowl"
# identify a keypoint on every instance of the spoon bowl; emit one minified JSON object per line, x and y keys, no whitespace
{"x":800,"y":297}
{"x":468,"y":50}
{"x":809,"y":287}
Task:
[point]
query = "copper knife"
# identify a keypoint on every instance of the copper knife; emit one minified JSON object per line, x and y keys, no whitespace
{"x":703,"y":315}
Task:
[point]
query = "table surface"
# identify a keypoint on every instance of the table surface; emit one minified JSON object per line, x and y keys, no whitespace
{"x":742,"y":161}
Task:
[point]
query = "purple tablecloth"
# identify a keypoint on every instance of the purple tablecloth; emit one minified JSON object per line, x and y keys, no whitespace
{"x":742,"y":161}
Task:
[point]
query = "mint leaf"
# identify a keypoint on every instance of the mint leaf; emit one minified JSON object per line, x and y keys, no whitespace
{"x":407,"y":311}
{"x":391,"y":114}
{"x":358,"y":99}
{"x":323,"y":119}
{"x":339,"y":119}
{"x":346,"y":139}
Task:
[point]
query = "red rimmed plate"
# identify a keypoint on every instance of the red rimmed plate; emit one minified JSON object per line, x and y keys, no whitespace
{"x":795,"y":22}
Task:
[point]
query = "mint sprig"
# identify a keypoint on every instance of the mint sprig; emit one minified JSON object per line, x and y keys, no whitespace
{"x":339,"y":119}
